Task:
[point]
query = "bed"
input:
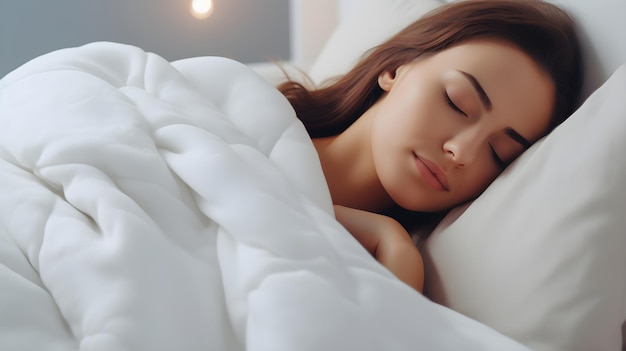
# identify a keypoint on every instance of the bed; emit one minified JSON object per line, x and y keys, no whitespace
{"x":155,"y":205}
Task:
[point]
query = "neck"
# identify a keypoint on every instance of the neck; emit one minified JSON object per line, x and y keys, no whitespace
{"x":349,"y":169}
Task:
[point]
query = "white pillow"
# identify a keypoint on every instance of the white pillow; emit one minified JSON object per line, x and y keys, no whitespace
{"x":601,"y":26}
{"x":373,"y":22}
{"x":540,"y":255}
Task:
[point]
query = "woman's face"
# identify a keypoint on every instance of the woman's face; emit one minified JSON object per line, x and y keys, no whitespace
{"x":449,"y":123}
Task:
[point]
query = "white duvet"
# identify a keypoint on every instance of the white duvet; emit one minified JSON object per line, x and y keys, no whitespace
{"x":148,"y":205}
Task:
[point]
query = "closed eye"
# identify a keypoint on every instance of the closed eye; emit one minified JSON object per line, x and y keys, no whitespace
{"x":452,"y":104}
{"x":496,"y":159}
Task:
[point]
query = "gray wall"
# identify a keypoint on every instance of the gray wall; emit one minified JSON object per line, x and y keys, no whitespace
{"x":245,"y":30}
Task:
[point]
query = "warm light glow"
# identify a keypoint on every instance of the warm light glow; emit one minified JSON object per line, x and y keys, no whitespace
{"x":201,"y":8}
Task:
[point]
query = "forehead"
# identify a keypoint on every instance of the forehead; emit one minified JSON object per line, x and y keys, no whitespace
{"x":522,"y":94}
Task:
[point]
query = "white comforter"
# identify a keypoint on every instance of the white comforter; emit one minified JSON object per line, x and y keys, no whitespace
{"x":147,"y":205}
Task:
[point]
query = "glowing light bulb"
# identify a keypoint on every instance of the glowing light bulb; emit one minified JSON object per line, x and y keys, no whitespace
{"x":201,"y":9}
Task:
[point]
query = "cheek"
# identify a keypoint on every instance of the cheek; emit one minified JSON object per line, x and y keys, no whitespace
{"x":394,"y":127}
{"x":477,"y":182}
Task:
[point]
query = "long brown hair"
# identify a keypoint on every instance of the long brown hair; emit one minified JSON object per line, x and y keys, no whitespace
{"x":543,"y":31}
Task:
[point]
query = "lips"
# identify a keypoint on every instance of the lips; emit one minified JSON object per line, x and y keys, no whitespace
{"x":432,"y":173}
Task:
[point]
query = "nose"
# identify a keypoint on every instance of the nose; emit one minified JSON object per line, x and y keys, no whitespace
{"x":463,"y":147}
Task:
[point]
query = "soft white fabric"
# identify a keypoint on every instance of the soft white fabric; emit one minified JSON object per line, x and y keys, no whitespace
{"x":373,"y":22}
{"x":540,"y":255}
{"x":601,"y":26}
{"x":155,"y":206}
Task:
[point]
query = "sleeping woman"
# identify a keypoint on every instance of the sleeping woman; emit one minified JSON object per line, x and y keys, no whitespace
{"x":427,"y":120}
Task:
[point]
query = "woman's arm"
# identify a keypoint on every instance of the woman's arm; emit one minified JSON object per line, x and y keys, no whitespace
{"x":387,"y":241}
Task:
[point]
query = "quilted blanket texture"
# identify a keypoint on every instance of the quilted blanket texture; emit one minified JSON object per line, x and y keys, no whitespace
{"x":149,"y":205}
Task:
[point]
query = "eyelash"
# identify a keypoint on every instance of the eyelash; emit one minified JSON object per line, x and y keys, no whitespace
{"x":498,"y":161}
{"x":452,"y":104}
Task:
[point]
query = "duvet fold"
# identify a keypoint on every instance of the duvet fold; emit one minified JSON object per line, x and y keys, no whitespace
{"x":149,"y":205}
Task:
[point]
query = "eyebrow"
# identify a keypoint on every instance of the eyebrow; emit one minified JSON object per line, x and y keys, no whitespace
{"x":513,"y":134}
{"x":484,"y":99}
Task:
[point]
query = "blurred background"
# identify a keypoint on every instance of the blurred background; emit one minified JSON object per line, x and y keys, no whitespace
{"x":245,"y":30}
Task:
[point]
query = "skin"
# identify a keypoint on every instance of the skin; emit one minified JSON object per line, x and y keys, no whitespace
{"x":444,"y":129}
